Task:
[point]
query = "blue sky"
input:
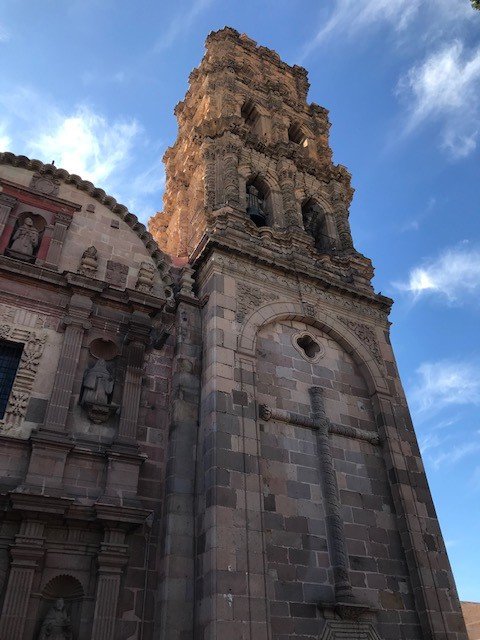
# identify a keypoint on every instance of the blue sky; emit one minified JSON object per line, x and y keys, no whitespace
{"x":92,"y":84}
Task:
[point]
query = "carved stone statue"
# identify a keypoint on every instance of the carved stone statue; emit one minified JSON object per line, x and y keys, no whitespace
{"x":315,"y":225}
{"x":89,"y":262}
{"x":25,"y":238}
{"x":57,"y":624}
{"x":97,"y":388}
{"x":255,"y":206}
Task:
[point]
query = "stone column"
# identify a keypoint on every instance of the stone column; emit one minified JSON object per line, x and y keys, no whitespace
{"x":6,"y":205}
{"x":334,"y":521}
{"x":230,"y":175}
{"x":62,"y":222}
{"x":76,"y":323}
{"x":291,"y":209}
{"x":112,"y":560}
{"x":434,"y":590}
{"x":137,"y":337}
{"x":177,"y":585}
{"x":27,"y":554}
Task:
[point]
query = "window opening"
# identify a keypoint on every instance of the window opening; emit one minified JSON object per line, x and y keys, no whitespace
{"x":256,"y":205}
{"x":309,"y":347}
{"x":10,"y":354}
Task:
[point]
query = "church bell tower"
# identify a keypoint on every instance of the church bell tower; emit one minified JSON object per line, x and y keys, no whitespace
{"x":297,"y":504}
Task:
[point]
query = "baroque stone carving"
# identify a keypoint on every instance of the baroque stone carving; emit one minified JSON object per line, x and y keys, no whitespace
{"x":25,"y":239}
{"x":34,"y":344}
{"x":44,"y":184}
{"x":346,"y":630}
{"x":249,"y":299}
{"x":97,"y":389}
{"x":56,"y":624}
{"x":366,"y":335}
{"x":89,"y":262}
{"x":116,"y":273}
{"x":146,"y":275}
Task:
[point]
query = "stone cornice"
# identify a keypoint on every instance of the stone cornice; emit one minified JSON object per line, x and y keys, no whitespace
{"x":92,"y":287}
{"x":210,"y":243}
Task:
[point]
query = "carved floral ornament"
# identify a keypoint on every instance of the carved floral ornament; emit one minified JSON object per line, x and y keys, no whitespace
{"x":34,"y":343}
{"x":366,"y":335}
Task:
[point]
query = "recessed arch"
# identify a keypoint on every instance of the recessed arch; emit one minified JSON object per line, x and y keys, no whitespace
{"x":277,"y":311}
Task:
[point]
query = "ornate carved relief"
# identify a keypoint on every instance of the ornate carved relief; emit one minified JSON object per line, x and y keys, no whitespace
{"x":349,"y":630}
{"x":116,"y":273}
{"x":44,"y":184}
{"x":366,"y":335}
{"x":249,"y":299}
{"x":276,"y":279}
{"x":146,"y":275}
{"x":89,"y":262}
{"x":34,"y":342}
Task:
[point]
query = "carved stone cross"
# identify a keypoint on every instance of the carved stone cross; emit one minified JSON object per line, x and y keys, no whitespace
{"x":334,"y":521}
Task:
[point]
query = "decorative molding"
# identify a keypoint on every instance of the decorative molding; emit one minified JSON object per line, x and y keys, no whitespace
{"x":34,"y":343}
{"x":267,"y":413}
{"x":349,"y":630}
{"x":45,"y":184}
{"x":249,"y":299}
{"x":366,"y":335}
{"x":306,"y":334}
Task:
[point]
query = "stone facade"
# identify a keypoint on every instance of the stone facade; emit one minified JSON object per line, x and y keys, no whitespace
{"x":206,"y":436}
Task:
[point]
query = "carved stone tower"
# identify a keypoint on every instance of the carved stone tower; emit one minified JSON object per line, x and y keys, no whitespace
{"x":309,"y":515}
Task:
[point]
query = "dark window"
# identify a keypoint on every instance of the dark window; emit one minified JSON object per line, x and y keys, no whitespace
{"x":258,"y":202}
{"x":309,"y":347}
{"x":295,"y":134}
{"x":10,"y":354}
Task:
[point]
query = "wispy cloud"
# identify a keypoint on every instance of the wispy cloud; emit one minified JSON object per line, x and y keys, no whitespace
{"x":353,"y":19}
{"x":350,"y":18}
{"x":4,"y":33}
{"x":452,"y":455}
{"x":452,"y":276}
{"x":445,"y":88}
{"x":181,"y":24}
{"x":414,"y":223}
{"x":85,"y":142}
{"x":441,"y":384}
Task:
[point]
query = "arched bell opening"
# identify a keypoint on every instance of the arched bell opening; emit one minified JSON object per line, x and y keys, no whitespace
{"x":256,"y":119}
{"x":258,"y":202}
{"x":315,"y":223}
{"x":297,"y":135}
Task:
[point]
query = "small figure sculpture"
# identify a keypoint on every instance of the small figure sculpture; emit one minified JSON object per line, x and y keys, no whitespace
{"x":314,"y":224}
{"x":97,"y":389}
{"x":146,"y":274}
{"x":255,"y":206}
{"x":89,"y":262}
{"x":97,"y":384}
{"x":25,"y":238}
{"x":57,"y":624}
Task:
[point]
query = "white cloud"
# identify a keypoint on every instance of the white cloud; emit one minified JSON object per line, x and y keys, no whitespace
{"x":454,"y":454}
{"x":351,"y":17}
{"x":5,"y":140}
{"x":453,"y":275}
{"x":441,"y":384}
{"x":87,"y":143}
{"x":445,"y":88}
{"x":181,"y":23}
{"x":429,"y":19}
{"x":4,"y":34}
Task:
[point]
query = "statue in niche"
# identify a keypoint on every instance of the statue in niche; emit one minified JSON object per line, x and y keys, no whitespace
{"x":56,"y":624}
{"x":315,"y":225}
{"x":89,"y":262}
{"x":97,"y":389}
{"x":255,"y":206}
{"x":25,"y":239}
